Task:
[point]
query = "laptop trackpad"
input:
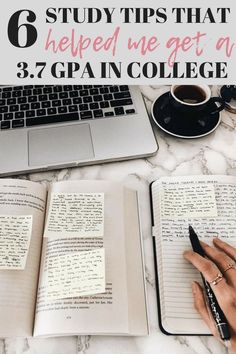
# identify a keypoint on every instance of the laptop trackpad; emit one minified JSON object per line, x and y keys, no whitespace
{"x":52,"y":146}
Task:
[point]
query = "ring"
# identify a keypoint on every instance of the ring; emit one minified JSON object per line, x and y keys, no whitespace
{"x":217,"y":279}
{"x":230,"y":266}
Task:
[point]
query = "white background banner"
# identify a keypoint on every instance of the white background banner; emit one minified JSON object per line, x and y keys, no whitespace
{"x":110,"y":42}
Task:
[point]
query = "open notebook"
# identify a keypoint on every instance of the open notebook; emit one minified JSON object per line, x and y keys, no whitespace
{"x":53,"y":290}
{"x":208,"y":203}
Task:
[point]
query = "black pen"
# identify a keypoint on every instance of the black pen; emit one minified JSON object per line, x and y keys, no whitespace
{"x":217,"y":313}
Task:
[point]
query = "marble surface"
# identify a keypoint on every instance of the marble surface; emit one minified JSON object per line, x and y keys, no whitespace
{"x":214,"y":154}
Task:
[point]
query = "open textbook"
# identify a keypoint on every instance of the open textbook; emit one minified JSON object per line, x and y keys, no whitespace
{"x":208,"y":203}
{"x":70,"y":259}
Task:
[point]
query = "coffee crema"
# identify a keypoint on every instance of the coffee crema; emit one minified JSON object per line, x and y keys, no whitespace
{"x":190,"y":94}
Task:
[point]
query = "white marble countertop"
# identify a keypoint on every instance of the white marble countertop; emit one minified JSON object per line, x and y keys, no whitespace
{"x":214,"y":154}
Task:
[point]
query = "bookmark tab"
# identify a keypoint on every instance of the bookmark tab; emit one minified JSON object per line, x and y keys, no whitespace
{"x":154,"y":231}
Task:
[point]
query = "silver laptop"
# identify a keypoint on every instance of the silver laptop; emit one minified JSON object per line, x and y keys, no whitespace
{"x":49,"y":127}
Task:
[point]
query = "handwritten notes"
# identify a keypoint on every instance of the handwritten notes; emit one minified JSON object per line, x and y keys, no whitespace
{"x":186,"y":201}
{"x":75,"y":215}
{"x":80,"y":273}
{"x":76,"y":274}
{"x":15,"y":235}
{"x":174,"y":242}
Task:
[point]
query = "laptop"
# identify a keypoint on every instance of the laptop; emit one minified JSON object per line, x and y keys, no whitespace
{"x":44,"y":127}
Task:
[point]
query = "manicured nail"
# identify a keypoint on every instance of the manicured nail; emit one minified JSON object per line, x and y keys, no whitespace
{"x":187,"y":254}
{"x":194,"y":288}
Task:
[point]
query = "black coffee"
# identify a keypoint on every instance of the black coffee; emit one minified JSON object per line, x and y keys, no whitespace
{"x":190,"y":94}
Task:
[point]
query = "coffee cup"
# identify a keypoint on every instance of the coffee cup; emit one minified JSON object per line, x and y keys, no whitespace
{"x":195,"y":100}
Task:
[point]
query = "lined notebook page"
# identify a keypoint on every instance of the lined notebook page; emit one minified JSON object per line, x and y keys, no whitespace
{"x":174,"y":273}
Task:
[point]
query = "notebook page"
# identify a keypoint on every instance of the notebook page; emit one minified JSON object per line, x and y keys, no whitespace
{"x":175,"y":274}
{"x":178,"y":274}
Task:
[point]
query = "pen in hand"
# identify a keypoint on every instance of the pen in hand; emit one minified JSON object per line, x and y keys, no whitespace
{"x":217,"y":314}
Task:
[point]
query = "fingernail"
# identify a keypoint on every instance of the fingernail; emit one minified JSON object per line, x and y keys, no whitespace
{"x":194,"y":288}
{"x":216,"y":239}
{"x":185,"y":253}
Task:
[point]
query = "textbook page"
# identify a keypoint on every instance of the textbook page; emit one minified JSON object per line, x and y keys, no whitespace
{"x":171,"y":240}
{"x":21,"y":200}
{"x":95,"y":314}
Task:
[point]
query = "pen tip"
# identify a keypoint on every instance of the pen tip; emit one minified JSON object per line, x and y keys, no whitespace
{"x":191,"y":230}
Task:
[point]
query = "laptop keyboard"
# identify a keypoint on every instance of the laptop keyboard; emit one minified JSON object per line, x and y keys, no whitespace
{"x":27,"y":106}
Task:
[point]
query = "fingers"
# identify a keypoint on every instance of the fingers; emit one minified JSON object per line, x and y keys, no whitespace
{"x":233,"y":343}
{"x":201,"y":307}
{"x":222,"y":260}
{"x":209,"y":272}
{"x":225,"y":247}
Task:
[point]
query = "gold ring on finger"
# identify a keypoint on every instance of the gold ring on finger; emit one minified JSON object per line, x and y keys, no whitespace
{"x":217,"y":279}
{"x":229,"y":266}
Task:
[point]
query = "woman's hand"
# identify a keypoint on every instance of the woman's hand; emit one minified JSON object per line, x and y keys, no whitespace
{"x":221,"y":259}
